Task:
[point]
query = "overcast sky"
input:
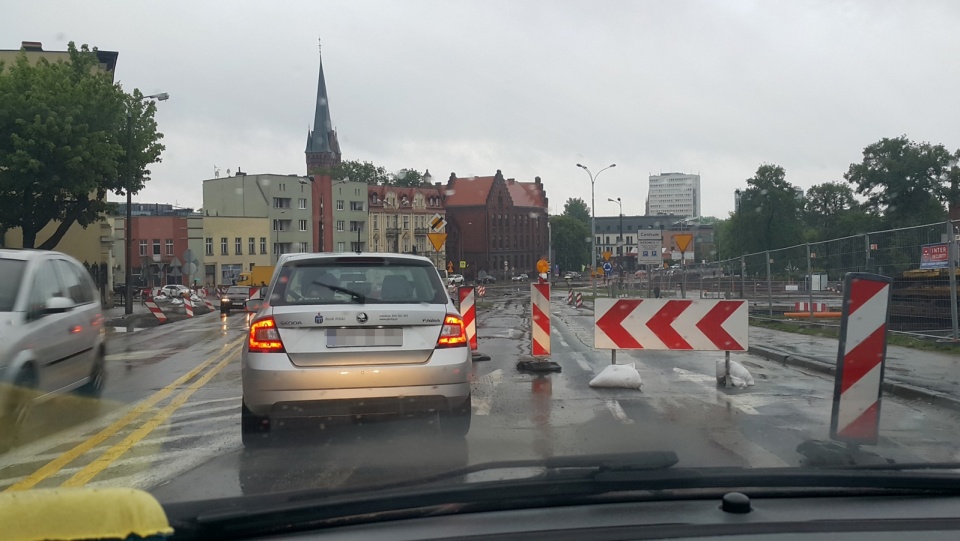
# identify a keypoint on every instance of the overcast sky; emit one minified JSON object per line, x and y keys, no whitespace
{"x":531,"y":88}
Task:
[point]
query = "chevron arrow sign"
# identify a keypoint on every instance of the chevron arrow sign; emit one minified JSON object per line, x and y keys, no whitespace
{"x":662,"y":324}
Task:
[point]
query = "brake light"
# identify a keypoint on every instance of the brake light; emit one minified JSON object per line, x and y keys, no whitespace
{"x":453,"y":334}
{"x":265,"y":337}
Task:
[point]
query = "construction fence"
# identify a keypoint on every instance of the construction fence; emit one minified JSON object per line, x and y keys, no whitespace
{"x":804,"y":282}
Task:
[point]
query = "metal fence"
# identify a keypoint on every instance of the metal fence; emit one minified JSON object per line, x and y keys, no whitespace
{"x":803,"y":283}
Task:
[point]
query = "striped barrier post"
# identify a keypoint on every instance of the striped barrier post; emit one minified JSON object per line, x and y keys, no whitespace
{"x":579,"y":300}
{"x":468,"y":310}
{"x":188,"y":306}
{"x":156,"y":310}
{"x":570,"y":297}
{"x":481,"y":291}
{"x":860,"y":358}
{"x":540,"y":312}
{"x":209,"y":305}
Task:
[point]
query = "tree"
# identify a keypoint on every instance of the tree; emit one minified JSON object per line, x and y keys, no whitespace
{"x":769,"y":214}
{"x":355,"y":170}
{"x":571,"y":244}
{"x":577,"y":208}
{"x":831,"y":211}
{"x":407,"y":178}
{"x":64,"y":141}
{"x":907,"y":182}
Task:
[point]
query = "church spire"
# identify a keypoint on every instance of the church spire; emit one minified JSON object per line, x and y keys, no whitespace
{"x":323,"y":149}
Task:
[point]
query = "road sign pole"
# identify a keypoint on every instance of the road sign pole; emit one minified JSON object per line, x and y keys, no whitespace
{"x":683,"y":276}
{"x":952,"y":266}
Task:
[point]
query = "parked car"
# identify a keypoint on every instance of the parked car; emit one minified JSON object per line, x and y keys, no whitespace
{"x":488,"y":279}
{"x":390,"y":344}
{"x":51,"y":332}
{"x":175,"y":290}
{"x":520,"y":278}
{"x":571,"y":276}
{"x":235,"y":297}
{"x":456,"y":280}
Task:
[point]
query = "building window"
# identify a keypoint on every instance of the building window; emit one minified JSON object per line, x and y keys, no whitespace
{"x":156,"y":246}
{"x":278,"y":225}
{"x":356,"y":246}
{"x":340,"y":246}
{"x":356,"y":226}
{"x":406,"y":245}
{"x":339,"y":204}
{"x":375,"y":222}
{"x":169,"y":244}
{"x":143,"y":247}
{"x":302,"y":247}
{"x":302,"y":203}
{"x":303,"y":225}
{"x":406,"y":223}
{"x":252,"y":245}
{"x":281,"y":202}
{"x":238,"y":246}
{"x":263,"y":245}
{"x":207,"y":244}
{"x":356,"y":205}
{"x":341,"y":225}
{"x":223,"y":246}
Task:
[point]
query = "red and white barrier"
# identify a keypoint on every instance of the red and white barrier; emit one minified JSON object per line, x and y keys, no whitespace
{"x":860,"y":358}
{"x":805,"y":307}
{"x":661,"y":324}
{"x":188,"y":306}
{"x":481,"y":291}
{"x":156,"y":310}
{"x":208,"y":304}
{"x":540,"y":312}
{"x":468,"y":310}
{"x":579,"y":300}
{"x":570,"y":297}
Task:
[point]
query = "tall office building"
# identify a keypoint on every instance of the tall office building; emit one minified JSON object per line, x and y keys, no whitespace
{"x":674,"y":193}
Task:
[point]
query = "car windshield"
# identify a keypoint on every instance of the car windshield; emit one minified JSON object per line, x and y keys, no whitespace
{"x":12,"y":272}
{"x":347,"y":280}
{"x":420,"y":236}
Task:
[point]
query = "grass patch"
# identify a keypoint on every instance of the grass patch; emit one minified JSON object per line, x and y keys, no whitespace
{"x":893,"y":339}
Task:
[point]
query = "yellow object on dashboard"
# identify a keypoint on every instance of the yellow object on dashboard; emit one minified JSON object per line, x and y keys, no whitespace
{"x":81,"y":513}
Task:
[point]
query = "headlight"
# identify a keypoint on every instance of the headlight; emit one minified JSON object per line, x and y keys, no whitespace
{"x":225,"y":299}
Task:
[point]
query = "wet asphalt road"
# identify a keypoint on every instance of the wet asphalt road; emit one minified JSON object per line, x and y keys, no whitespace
{"x":169,"y":420}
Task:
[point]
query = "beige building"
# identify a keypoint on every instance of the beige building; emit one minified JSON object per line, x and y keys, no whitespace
{"x":400,"y":217}
{"x":233,"y":244}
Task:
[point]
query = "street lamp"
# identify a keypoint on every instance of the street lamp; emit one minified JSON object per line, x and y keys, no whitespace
{"x":128,"y":233}
{"x":620,"y":232}
{"x":276,"y":243}
{"x":593,"y":221}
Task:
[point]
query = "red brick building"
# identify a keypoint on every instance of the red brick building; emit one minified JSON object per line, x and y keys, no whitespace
{"x":159,"y":244}
{"x":496,"y":225}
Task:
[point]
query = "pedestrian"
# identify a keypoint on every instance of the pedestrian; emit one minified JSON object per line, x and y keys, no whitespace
{"x":656,"y":292}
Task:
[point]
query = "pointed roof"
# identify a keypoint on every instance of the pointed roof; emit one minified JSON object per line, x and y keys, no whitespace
{"x":318,"y":139}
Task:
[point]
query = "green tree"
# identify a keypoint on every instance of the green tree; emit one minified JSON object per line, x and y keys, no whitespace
{"x":908,"y":183}
{"x":571,"y":245}
{"x":769,"y":214}
{"x":357,"y":171}
{"x":407,"y":178}
{"x":831,"y":211}
{"x":63,"y":143}
{"x":577,"y":208}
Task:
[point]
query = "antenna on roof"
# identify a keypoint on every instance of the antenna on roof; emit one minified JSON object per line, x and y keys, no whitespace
{"x":319,"y":45}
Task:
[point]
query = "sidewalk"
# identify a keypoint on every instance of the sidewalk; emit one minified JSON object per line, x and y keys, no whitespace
{"x":908,"y":373}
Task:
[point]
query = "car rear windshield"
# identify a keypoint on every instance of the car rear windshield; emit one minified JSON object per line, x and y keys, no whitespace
{"x":380,"y":280}
{"x":12,"y":272}
{"x":243,"y":290}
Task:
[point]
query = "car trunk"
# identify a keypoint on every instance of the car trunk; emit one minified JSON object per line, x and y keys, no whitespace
{"x":339,"y":335}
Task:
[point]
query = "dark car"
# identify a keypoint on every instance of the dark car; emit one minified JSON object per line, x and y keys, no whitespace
{"x":488,"y":279}
{"x":235,"y":297}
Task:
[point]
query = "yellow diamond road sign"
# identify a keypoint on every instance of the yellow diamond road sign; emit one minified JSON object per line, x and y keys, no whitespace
{"x":437,"y":223}
{"x":437,"y":240}
{"x":683,"y":241}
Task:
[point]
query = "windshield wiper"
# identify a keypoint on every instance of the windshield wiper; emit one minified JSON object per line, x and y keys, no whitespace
{"x":353,"y":294}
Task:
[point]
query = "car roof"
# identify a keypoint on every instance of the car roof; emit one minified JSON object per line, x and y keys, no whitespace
{"x":23,"y":255}
{"x":338,"y":255}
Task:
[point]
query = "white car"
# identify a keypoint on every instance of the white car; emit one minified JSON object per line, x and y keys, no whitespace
{"x":455,"y":280}
{"x":175,"y":290}
{"x":347,"y":335}
{"x":51,"y":332}
{"x":520,"y":278}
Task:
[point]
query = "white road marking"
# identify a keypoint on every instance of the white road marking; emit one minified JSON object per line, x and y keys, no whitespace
{"x":753,"y":454}
{"x":206,"y":412}
{"x":483,"y":403}
{"x":618,"y":412}
{"x":564,"y":343}
{"x":135,"y":355}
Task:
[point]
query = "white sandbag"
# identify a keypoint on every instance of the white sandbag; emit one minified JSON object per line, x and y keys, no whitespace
{"x":739,"y":376}
{"x":618,"y":376}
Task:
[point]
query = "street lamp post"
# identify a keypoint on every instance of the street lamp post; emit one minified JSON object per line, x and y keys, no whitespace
{"x":593,"y":222}
{"x":128,"y":231}
{"x":620,"y":231}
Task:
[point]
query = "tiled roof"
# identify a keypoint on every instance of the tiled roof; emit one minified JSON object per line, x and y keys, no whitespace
{"x":468,"y":192}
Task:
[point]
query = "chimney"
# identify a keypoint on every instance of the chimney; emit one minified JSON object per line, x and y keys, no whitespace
{"x":34,"y":46}
{"x":536,"y":180}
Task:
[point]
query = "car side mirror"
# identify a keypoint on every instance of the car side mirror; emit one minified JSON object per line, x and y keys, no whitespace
{"x":58,"y":305}
{"x":253,"y":305}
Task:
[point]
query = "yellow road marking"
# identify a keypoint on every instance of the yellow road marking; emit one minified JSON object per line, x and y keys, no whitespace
{"x":58,"y":463}
{"x":102,"y":462}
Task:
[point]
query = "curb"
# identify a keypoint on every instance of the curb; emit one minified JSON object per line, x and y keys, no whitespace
{"x":901,"y":390}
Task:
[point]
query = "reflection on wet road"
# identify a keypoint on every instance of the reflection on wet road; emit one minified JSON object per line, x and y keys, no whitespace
{"x":169,"y":420}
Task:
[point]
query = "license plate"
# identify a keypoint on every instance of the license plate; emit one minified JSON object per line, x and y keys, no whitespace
{"x":346,"y":338}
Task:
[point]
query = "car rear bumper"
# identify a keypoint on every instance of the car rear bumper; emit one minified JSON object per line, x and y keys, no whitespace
{"x":273,"y":386}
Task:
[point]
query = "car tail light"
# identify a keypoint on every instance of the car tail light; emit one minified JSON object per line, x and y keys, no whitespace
{"x":453,"y":334}
{"x":265,"y":337}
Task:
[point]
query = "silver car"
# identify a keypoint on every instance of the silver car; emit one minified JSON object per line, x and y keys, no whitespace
{"x":51,"y":332}
{"x":348,"y":335}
